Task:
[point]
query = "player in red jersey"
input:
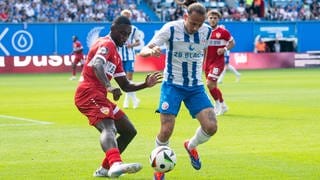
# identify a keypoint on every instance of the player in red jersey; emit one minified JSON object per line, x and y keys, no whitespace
{"x":103,"y":62}
{"x":220,"y":42}
{"x":77,"y":49}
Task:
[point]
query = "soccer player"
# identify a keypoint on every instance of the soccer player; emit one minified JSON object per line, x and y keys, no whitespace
{"x":77,"y":49}
{"x":230,"y":67}
{"x":185,"y":41}
{"x":103,"y":63}
{"x":127,"y":53}
{"x":220,"y":42}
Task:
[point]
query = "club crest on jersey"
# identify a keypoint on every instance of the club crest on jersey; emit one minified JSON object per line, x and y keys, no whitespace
{"x":191,"y":48}
{"x":103,"y":50}
{"x":218,"y":35}
{"x":105,"y":110}
{"x":165,"y":106}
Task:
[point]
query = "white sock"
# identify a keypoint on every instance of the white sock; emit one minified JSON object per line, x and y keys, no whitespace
{"x":217,"y":104}
{"x":200,"y":137}
{"x":222,"y":104}
{"x":133,"y":96}
{"x":159,"y":143}
{"x":126,"y":98}
{"x":233,"y":70}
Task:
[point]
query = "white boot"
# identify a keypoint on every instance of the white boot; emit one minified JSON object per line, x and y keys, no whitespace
{"x":117,"y":169}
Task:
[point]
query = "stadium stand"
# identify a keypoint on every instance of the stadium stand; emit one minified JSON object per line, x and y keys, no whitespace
{"x":16,"y":11}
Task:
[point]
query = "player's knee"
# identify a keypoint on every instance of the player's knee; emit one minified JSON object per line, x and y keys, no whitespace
{"x":110,"y":131}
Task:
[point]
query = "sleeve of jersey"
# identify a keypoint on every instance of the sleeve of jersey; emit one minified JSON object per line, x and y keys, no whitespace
{"x":103,"y":52}
{"x":137,"y":34}
{"x":227,"y":35}
{"x":161,"y":36}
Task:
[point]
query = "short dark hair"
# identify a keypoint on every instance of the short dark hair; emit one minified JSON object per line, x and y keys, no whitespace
{"x":196,"y":7}
{"x":121,"y":20}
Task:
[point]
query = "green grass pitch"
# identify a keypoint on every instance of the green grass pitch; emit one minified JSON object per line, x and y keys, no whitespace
{"x":272,"y":130}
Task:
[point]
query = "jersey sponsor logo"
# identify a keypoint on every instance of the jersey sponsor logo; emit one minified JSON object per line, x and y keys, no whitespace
{"x":217,"y":42}
{"x":103,"y":50}
{"x":187,"y":55}
{"x":105,"y":110}
{"x":165,"y":106}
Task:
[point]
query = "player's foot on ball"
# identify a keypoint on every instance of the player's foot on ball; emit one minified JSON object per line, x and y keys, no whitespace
{"x":158,"y":176}
{"x":194,"y":157}
{"x":117,"y":169}
{"x":101,"y":172}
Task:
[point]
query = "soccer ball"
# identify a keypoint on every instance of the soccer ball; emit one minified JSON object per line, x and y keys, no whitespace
{"x":163,"y":159}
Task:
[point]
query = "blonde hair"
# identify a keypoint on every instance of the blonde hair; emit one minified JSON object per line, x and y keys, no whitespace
{"x":126,"y":12}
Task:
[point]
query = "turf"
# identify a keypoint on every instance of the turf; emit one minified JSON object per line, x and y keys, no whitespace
{"x":270,"y":132}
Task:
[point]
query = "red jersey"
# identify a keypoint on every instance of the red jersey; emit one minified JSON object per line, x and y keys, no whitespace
{"x":106,"y":49}
{"x":90,"y":97}
{"x":219,"y":39}
{"x":77,"y":47}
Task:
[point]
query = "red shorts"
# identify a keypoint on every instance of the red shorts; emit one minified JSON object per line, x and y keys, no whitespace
{"x":78,"y":58}
{"x":213,"y":71}
{"x":95,"y":105}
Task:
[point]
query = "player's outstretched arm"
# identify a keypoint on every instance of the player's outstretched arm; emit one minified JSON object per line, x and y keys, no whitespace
{"x":150,"y":50}
{"x":151,"y":80}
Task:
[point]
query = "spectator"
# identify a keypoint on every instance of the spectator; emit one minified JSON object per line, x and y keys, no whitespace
{"x":276,"y":46}
{"x":260,"y":46}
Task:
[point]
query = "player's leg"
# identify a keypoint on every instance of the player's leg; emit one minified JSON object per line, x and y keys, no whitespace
{"x":112,"y":153}
{"x":170,"y":102}
{"x":220,"y":105}
{"x":73,"y":68}
{"x":204,"y":112}
{"x":74,"y":64}
{"x":132,"y":95}
{"x":126,"y":131}
{"x":235,"y":72}
{"x":220,"y":79}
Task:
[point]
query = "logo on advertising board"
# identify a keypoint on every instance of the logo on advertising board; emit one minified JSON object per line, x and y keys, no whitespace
{"x":21,"y":41}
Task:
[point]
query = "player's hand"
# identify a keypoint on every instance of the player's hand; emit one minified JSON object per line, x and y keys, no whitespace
{"x":220,"y":51}
{"x":153,"y":79}
{"x":156,"y":51}
{"x":116,"y":92}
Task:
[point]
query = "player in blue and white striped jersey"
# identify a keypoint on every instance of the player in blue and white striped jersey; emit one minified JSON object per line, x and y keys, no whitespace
{"x":185,"y":42}
{"x":127,"y":53}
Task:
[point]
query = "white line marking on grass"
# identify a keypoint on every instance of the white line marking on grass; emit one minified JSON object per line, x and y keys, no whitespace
{"x":23,"y":119}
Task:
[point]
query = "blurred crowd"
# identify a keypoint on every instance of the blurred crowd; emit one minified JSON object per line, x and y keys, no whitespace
{"x":247,"y":10}
{"x":16,"y":11}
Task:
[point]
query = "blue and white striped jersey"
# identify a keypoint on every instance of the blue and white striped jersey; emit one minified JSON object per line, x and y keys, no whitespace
{"x":128,"y":54}
{"x":184,"y":52}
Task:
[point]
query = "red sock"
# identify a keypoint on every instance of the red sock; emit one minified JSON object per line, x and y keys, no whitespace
{"x":214,"y":93}
{"x":73,"y":72}
{"x":105,"y":163}
{"x":219,"y":95}
{"x":113,"y":155}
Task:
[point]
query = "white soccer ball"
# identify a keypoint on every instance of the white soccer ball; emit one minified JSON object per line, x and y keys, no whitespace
{"x":163,"y":159}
